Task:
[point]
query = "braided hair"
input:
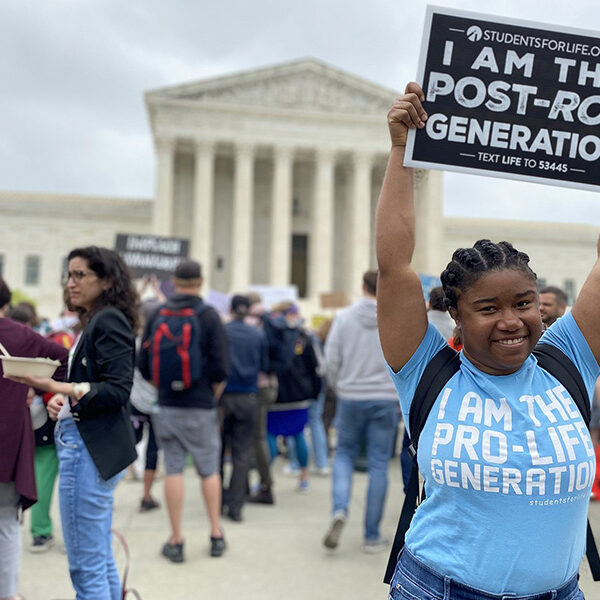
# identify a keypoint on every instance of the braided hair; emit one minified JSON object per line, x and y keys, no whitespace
{"x":469,"y":264}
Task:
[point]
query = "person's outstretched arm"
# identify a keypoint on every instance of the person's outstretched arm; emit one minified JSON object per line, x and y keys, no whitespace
{"x":586,"y":310}
{"x":401,"y":311}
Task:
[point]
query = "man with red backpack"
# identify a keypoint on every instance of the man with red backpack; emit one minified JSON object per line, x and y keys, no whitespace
{"x":184,"y":353}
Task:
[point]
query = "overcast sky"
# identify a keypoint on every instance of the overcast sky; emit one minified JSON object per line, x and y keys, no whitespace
{"x":73,"y":73}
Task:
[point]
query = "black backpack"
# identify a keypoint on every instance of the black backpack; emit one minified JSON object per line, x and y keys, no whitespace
{"x":436,"y":375}
{"x":174,"y":350}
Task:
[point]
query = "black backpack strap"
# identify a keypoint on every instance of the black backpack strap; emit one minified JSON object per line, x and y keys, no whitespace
{"x":436,"y":375}
{"x":591,"y":551}
{"x":558,"y":364}
{"x":408,"y":510}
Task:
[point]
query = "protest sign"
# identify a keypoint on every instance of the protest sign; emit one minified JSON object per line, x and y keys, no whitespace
{"x":509,"y":98}
{"x":151,"y":254}
{"x":274,"y":294}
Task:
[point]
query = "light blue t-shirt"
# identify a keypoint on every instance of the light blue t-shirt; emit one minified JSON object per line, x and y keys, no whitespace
{"x":508,"y":465}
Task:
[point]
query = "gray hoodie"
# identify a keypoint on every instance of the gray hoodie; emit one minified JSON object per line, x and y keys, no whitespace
{"x":356,"y":368}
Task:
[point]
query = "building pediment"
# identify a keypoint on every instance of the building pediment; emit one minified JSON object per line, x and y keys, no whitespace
{"x":306,"y":85}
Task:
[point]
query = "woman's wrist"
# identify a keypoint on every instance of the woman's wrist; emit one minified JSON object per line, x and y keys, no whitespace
{"x":80,"y":389}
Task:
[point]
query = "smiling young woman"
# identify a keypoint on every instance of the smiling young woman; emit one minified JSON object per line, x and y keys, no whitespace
{"x":503,"y":436}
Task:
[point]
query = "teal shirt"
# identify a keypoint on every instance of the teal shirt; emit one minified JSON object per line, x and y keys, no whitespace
{"x":508,"y":465}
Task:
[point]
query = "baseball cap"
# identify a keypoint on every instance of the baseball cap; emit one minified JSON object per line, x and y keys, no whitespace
{"x":188,"y":269}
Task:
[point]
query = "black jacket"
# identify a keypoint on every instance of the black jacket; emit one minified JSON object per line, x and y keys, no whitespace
{"x":214,"y":348}
{"x":293,"y":360}
{"x":104,"y":358}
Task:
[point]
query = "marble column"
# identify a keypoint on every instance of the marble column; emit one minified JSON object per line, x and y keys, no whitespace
{"x":321,"y":235}
{"x":162,"y":221}
{"x":202,"y":224}
{"x":241,"y":231}
{"x":359,"y":247}
{"x":281,"y":217}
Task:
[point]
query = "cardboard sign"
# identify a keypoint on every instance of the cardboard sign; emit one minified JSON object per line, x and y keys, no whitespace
{"x":273,"y":294}
{"x":509,"y":98}
{"x":333,"y":300}
{"x":151,"y":254}
{"x":219,"y":301}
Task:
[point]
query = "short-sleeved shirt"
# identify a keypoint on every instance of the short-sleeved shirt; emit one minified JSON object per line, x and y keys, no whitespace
{"x":508,"y":465}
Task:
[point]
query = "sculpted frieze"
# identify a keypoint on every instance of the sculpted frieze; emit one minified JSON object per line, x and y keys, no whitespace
{"x":304,"y":91}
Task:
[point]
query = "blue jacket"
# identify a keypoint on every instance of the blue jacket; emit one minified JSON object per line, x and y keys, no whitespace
{"x":248,"y":352}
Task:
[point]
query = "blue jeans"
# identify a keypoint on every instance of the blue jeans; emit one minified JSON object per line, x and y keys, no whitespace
{"x":297,"y":447}
{"x":318,"y":436}
{"x":413,"y":580}
{"x":375,"y":421}
{"x":317,"y":431}
{"x":86,"y":505}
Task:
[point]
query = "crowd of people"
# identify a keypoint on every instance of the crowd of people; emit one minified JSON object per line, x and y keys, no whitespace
{"x":259,"y":375}
{"x":231,"y":393}
{"x":501,"y":435}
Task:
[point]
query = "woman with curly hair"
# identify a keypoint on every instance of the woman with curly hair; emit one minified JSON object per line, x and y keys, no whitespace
{"x":506,"y":456}
{"x":94,"y":437}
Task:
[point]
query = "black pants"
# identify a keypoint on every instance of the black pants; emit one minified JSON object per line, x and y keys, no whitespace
{"x":138,"y":419}
{"x":239,"y":422}
{"x":266,"y":397}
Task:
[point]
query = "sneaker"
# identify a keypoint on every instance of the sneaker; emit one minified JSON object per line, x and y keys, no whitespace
{"x":146,"y":505}
{"x":303,"y":486}
{"x":174,"y":552}
{"x":41,"y":543}
{"x":288,"y":471}
{"x":262,"y":497}
{"x":217,"y":545}
{"x":374,"y":546}
{"x":323,"y":471}
{"x":333,"y":535}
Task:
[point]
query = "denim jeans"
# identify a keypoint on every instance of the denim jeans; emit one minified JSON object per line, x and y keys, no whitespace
{"x":375,"y":421}
{"x":414,"y":580}
{"x":317,"y":431}
{"x":318,"y":437}
{"x":86,"y":505}
{"x":10,"y":540}
{"x":297,"y":449}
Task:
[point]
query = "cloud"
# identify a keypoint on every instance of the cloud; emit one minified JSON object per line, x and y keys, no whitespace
{"x":74,"y":73}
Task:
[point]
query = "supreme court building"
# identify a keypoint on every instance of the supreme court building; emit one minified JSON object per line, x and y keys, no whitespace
{"x":273,"y":175}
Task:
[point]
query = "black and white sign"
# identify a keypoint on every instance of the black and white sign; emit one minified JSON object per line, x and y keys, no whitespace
{"x":509,"y":98}
{"x":151,"y":254}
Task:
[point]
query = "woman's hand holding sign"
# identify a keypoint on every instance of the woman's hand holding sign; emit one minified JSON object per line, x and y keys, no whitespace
{"x":406,"y":113}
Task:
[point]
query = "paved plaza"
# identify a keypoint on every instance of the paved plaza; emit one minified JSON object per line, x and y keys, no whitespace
{"x":275,"y":553}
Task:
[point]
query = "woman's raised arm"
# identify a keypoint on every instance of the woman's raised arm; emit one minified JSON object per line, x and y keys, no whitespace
{"x":586,"y":310}
{"x":401,"y":311}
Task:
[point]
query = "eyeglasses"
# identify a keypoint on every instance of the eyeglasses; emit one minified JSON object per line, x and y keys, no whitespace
{"x":77,"y":276}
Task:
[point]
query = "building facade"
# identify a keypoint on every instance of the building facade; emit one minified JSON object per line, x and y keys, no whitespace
{"x":273,"y":175}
